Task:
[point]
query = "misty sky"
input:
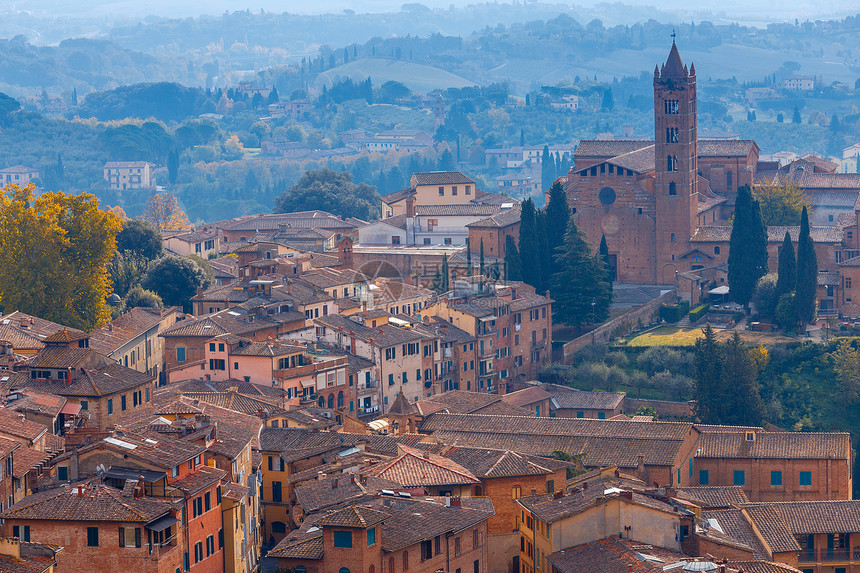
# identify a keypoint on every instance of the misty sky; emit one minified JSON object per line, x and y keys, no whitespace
{"x":741,"y":10}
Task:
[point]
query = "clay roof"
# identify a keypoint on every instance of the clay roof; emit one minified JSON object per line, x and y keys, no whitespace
{"x":725,"y":147}
{"x":809,"y":517}
{"x":639,"y":160}
{"x":39,"y":403}
{"x":415,"y":521}
{"x":33,"y":325}
{"x":486,"y":463}
{"x":414,"y":470}
{"x":60,"y":357}
{"x":127,"y":327}
{"x":761,"y":566}
{"x":674,"y":67}
{"x":401,"y":405}
{"x":103,"y":381}
{"x":97,"y":502}
{"x":199,"y":479}
{"x":354,"y":516}
{"x":773,"y":528}
{"x":571,"y":398}
{"x":397,"y":196}
{"x":7,"y":447}
{"x":19,"y":339}
{"x":465,"y":209}
{"x":440,"y":178}
{"x":304,"y":548}
{"x":526,"y":396}
{"x":332,"y":490}
{"x":713,"y":496}
{"x":384,"y":336}
{"x":303,"y":219}
{"x":775,"y":445}
{"x":613,"y":555}
{"x":609,"y":148}
{"x":26,"y":459}
{"x":735,"y":525}
{"x":775,"y":234}
{"x":504,"y":218}
{"x":12,"y":424}
{"x":151,"y":447}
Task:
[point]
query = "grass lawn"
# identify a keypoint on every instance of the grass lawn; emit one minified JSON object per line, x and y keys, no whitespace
{"x":675,"y":336}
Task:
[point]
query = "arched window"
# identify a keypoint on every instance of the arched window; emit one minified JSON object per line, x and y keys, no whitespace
{"x":372,"y":569}
{"x":301,"y":569}
{"x":672,"y":237}
{"x":321,"y":402}
{"x":673,"y":189}
{"x":340,"y":399}
{"x":716,"y":250}
{"x":405,"y":560}
{"x":729,"y":180}
{"x":669,"y":163}
{"x":391,"y":565}
{"x":331,"y":400}
{"x":279,"y":527}
{"x":343,"y":570}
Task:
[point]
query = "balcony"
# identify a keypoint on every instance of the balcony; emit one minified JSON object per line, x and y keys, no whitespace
{"x":828,"y":556}
{"x":368,"y":388}
{"x":160,"y":552}
{"x":368,"y":411}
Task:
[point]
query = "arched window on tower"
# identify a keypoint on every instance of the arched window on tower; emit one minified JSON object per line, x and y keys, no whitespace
{"x":673,"y":189}
{"x":671,"y":163}
{"x":671,"y":135}
{"x":728,"y":180}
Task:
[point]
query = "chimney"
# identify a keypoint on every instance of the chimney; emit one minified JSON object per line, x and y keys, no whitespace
{"x":456,"y":502}
{"x":584,"y":486}
{"x":617,"y":473}
{"x":640,"y":465}
{"x":334,"y":483}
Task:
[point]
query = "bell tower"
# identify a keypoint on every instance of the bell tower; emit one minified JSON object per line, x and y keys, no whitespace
{"x":675,"y":166}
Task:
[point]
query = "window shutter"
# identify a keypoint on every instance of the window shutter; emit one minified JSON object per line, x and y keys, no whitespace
{"x":137,"y":537}
{"x":122,"y":536}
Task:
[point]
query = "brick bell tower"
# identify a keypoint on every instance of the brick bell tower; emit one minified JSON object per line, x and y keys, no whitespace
{"x":675,"y":165}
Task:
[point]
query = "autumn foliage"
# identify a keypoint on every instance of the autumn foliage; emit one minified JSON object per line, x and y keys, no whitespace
{"x":164,"y":212}
{"x":54,"y":252}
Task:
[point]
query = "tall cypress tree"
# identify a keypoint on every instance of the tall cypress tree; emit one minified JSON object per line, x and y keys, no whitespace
{"x":787,"y":272}
{"x":513,"y":266}
{"x":482,"y":257}
{"x":557,"y":216}
{"x":529,"y":244}
{"x":445,"y":274}
{"x":469,"y":258}
{"x":580,"y":281}
{"x":747,"y":247}
{"x":707,"y":389}
{"x":547,"y":169}
{"x":604,"y":257}
{"x":807,"y":272}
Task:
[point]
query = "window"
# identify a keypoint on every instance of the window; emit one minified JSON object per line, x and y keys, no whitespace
{"x":276,"y":493}
{"x":426,"y":240}
{"x":580,"y":414}
{"x":453,"y":190}
{"x":180,"y":354}
{"x":516,"y":492}
{"x":343,"y":539}
{"x":716,"y":250}
{"x":550,"y":488}
{"x":601,"y":415}
{"x":738,"y":477}
{"x":606,"y":196}
{"x":447,"y":240}
{"x":468,"y":189}
{"x":426,"y":550}
{"x":129,"y":537}
{"x":371,"y":536}
{"x":441,"y":191}
{"x":673,"y":189}
{"x":110,"y":405}
{"x":220,"y":539}
{"x":728,"y":179}
{"x":703,"y":477}
{"x":62,"y":473}
{"x":671,"y":135}
{"x":456,"y":546}
{"x":198,"y":551}
{"x":122,"y":402}
{"x":210,"y":545}
{"x":805,"y":478}
{"x":671,"y":237}
{"x":207,"y":500}
{"x":437,"y":545}
{"x":776,"y":477}
{"x":395,"y":239}
{"x":847,"y":282}
{"x":476,"y":539}
{"x":92,"y":536}
{"x":671,"y":163}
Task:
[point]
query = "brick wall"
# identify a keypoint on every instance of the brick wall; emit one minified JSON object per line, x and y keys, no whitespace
{"x":619,"y":326}
{"x":665,"y":409}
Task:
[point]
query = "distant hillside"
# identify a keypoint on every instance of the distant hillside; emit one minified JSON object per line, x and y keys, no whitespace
{"x":417,"y":77}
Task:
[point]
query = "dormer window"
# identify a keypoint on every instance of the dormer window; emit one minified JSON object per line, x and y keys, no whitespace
{"x":750,"y":436}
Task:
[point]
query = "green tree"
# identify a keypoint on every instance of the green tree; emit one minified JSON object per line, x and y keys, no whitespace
{"x":747,"y":247}
{"x":138,"y":296}
{"x":530,"y":243}
{"x":604,"y":257}
{"x":557,"y":216}
{"x":786,"y":312}
{"x":766,"y":295}
{"x":547,"y":169}
{"x":513,"y":265}
{"x":807,"y":272}
{"x":740,"y":379}
{"x":608,"y":103}
{"x":481,"y":259}
{"x":175,"y":280}
{"x":795,"y":117}
{"x":331,"y":191}
{"x":580,"y":289}
{"x":846,"y":365}
{"x":543,"y":252}
{"x":787,"y":271}
{"x":446,"y":274}
{"x":707,"y":387}
{"x":469,"y":257}
{"x":126,"y":269}
{"x":172,"y":166}
{"x":140,"y":237}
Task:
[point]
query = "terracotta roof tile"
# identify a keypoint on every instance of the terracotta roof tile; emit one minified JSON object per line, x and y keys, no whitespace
{"x":25,"y":459}
{"x":808,"y":517}
{"x":775,"y":445}
{"x":412,"y":469}
{"x":354,"y":516}
{"x":13,"y":424}
{"x":526,"y":396}
{"x":773,"y":528}
{"x":735,"y":525}
{"x":713,"y":496}
{"x":572,"y":399}
{"x":441,"y":178}
{"x":199,"y":479}
{"x":486,"y":463}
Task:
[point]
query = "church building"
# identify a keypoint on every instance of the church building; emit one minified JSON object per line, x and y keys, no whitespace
{"x":664,"y":206}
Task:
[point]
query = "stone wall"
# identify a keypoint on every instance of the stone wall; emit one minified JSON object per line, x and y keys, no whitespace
{"x":619,"y":326}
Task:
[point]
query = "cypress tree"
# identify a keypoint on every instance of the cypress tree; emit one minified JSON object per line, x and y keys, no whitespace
{"x":468,"y":258}
{"x":557,"y":215}
{"x":547,"y":169}
{"x":604,"y":257}
{"x":580,"y":281}
{"x":747,"y":247}
{"x":807,"y":272}
{"x":445,"y":274}
{"x":529,"y":244}
{"x":707,"y":389}
{"x":513,"y":266}
{"x":787,"y":272}
{"x":482,"y":257}
{"x":743,"y":405}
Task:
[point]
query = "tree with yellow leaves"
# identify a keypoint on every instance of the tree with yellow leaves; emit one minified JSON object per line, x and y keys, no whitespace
{"x":781,"y":202}
{"x":54,"y":252}
{"x":164,"y":212}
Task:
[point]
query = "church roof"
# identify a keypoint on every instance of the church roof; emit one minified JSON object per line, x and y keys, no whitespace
{"x":609,"y":147}
{"x":775,"y":234}
{"x":640,"y":160}
{"x":725,"y":147}
{"x":674,"y":67}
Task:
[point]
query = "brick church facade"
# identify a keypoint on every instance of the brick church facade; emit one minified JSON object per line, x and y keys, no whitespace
{"x":664,"y":206}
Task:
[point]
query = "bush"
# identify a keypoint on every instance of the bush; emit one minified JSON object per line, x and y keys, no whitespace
{"x":699,"y":312}
{"x":658,"y":359}
{"x":590,"y":353}
{"x":618,"y":359}
{"x":678,"y":386}
{"x":765,"y":296}
{"x":674,"y":312}
{"x":592,"y":375}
